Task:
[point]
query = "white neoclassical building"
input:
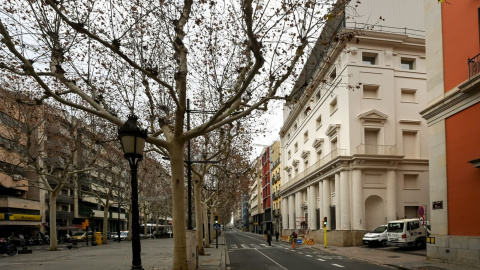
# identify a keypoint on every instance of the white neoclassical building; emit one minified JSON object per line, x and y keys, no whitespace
{"x":354,"y":146}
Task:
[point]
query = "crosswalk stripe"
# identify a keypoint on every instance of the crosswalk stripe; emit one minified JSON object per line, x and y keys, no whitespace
{"x":309,"y":255}
{"x":337,"y":265}
{"x":322,"y":260}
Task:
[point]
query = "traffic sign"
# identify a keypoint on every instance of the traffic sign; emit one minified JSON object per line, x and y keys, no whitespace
{"x":421,"y":210}
{"x":216,"y":227}
{"x":422,"y":221}
{"x":310,"y":242}
{"x":299,"y":241}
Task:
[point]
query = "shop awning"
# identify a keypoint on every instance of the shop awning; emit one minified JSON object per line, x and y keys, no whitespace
{"x":21,"y":223}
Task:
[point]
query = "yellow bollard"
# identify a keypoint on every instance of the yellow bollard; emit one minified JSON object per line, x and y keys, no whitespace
{"x":325,"y":236}
{"x":98,"y":238}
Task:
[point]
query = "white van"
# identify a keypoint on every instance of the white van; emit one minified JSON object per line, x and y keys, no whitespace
{"x":376,"y":237}
{"x":406,"y":233}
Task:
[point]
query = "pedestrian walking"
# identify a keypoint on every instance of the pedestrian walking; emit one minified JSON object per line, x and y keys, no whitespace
{"x":269,"y":238}
{"x":276,"y":235}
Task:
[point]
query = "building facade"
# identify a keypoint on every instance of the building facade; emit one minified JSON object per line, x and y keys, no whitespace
{"x":452,"y":112}
{"x":256,"y":208}
{"x":354,"y":147}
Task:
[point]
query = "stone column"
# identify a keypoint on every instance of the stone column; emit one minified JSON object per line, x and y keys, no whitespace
{"x":291,"y":211}
{"x":326,"y":201}
{"x":391,"y":196}
{"x":338,"y":195}
{"x":298,"y":208}
{"x":312,"y":207}
{"x":285,"y":212}
{"x":320,"y":202}
{"x":345,"y":200}
{"x":358,"y":210}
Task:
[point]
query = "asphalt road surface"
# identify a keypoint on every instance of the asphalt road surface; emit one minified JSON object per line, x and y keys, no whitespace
{"x":249,"y":251}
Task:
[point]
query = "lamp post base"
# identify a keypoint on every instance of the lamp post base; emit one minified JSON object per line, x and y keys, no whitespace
{"x":137,"y":267}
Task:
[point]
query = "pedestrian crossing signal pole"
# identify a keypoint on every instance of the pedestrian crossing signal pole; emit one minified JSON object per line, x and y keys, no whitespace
{"x":325,"y":229}
{"x":216,"y":233}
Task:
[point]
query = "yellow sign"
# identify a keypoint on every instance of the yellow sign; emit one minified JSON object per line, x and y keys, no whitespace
{"x":2,"y":216}
{"x":431,"y":240}
{"x":310,"y":242}
{"x":25,"y":217}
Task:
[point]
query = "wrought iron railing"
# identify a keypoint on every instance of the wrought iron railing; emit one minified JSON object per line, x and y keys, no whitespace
{"x":473,"y":66}
{"x":370,"y":149}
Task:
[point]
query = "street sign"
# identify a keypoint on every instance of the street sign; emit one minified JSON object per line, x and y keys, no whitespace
{"x":421,"y":210}
{"x":422,"y":221}
{"x":299,"y":241}
{"x":216,"y":227}
{"x":310,"y":242}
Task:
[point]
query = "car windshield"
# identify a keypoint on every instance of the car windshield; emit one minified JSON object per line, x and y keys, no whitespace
{"x":380,"y":229}
{"x":78,"y":234}
{"x":395,"y":227}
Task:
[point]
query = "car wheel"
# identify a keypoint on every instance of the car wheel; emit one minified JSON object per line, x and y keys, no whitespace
{"x":384,"y":243}
{"x":419,"y":244}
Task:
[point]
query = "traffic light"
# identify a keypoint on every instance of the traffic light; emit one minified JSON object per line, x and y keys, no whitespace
{"x":216,"y":219}
{"x":324,"y":222}
{"x":87,"y":223}
{"x":84,"y":226}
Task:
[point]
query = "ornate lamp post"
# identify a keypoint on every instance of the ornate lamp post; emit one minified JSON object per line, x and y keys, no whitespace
{"x":133,"y":139}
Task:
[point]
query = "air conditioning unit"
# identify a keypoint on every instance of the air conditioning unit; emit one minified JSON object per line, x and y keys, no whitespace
{"x":17,"y":177}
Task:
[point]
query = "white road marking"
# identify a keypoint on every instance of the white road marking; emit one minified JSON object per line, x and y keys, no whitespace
{"x":322,"y":260}
{"x":309,"y":255}
{"x":244,"y":245}
{"x":300,"y":252}
{"x":337,"y":265}
{"x":271,"y":260}
{"x":234,"y":246}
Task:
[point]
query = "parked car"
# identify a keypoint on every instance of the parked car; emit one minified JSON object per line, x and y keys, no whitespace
{"x":407,"y":233}
{"x":81,"y":236}
{"x":376,"y":237}
{"x":123,"y":236}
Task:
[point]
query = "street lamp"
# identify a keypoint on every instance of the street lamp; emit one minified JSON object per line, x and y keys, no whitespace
{"x":92,"y":215}
{"x":209,"y":233}
{"x":132,"y":138}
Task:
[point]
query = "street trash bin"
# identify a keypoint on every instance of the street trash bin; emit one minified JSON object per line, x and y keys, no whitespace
{"x":98,"y":238}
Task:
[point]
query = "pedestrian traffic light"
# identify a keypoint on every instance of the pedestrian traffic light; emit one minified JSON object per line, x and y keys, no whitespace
{"x":324,"y":222}
{"x":216,"y":219}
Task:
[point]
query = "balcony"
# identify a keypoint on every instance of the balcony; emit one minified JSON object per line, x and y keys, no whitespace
{"x":61,"y":198}
{"x":370,"y":149}
{"x":473,"y":66}
{"x":61,"y":215}
{"x":277,"y":213}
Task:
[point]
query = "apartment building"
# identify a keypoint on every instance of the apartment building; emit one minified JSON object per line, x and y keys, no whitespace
{"x":277,"y":199}
{"x":453,"y":83}
{"x":256,"y":208}
{"x":354,"y":146}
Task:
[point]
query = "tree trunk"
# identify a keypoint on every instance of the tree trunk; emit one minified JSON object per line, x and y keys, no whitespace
{"x":178,"y":202}
{"x":53,"y":219}
{"x":212,"y":214}
{"x":105,"y":223}
{"x":205,"y":225}
{"x":145,"y":227}
{"x":198,"y":216}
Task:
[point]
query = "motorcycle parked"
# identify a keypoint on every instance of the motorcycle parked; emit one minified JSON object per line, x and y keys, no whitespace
{"x":6,"y":247}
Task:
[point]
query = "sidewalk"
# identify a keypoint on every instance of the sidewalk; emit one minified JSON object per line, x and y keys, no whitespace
{"x":216,"y":258}
{"x":391,"y":256}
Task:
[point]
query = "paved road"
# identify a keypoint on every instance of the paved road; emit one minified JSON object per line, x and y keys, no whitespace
{"x":250,"y":251}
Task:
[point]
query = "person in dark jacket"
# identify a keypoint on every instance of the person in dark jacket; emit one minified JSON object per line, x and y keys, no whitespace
{"x":269,"y":238}
{"x":276,"y":235}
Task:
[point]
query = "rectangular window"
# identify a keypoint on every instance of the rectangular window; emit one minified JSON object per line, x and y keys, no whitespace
{"x":333,"y":106}
{"x":410,"y":144}
{"x":410,"y":181}
{"x":407,"y":63}
{"x":305,"y":136}
{"x":289,"y":154}
{"x":333,"y":74}
{"x":409,"y":96}
{"x":371,"y":91}
{"x":295,"y":147}
{"x":317,"y":96}
{"x":318,"y":122}
{"x":369,"y":58}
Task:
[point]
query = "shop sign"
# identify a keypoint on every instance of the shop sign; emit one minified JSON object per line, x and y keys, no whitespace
{"x":25,"y":217}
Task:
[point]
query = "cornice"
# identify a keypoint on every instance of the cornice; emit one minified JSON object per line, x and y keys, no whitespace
{"x":454,"y":97}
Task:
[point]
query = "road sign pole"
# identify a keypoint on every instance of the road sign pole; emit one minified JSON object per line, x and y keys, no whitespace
{"x":216,"y":238}
{"x":325,"y":236}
